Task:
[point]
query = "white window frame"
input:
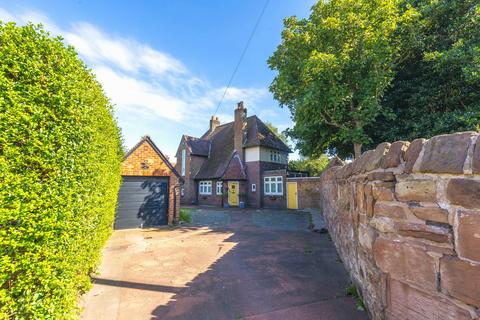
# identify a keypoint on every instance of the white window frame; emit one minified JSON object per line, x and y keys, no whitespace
{"x":184,"y":161}
{"x":273,"y":183}
{"x":219,"y":187}
{"x":275,"y":156}
{"x":254,"y":187}
{"x":205,"y":187}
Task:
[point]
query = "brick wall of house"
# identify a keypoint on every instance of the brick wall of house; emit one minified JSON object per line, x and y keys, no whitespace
{"x":405,"y":219}
{"x":274,"y":201}
{"x":145,"y":161}
{"x":192,"y":165}
{"x":308,"y":191}
{"x":254,"y":171}
{"x":212,"y":199}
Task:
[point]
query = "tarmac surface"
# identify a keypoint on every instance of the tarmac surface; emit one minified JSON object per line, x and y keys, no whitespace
{"x":226,"y":264}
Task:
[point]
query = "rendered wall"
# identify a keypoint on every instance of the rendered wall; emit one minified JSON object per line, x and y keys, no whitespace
{"x":405,"y":219}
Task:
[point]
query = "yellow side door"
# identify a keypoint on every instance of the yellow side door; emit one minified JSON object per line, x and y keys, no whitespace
{"x":292,"y":200}
{"x":233,"y":193}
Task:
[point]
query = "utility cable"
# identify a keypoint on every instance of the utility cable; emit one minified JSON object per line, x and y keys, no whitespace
{"x":242,"y":55}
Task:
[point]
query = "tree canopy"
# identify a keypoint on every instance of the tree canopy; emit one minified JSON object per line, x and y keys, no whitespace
{"x":364,"y":72}
{"x":278,"y":133}
{"x":436,"y":88}
{"x":333,"y":69}
{"x":314,"y":166}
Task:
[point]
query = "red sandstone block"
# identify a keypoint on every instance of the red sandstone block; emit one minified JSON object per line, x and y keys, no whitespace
{"x":406,"y":302}
{"x":404,"y":262}
{"x":468,"y":235}
{"x":396,"y":210}
{"x":416,"y":190}
{"x":412,"y":153}
{"x":446,"y":153}
{"x":464,"y":192}
{"x":461,"y":279}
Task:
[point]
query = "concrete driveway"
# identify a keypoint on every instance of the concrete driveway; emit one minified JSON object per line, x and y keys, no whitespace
{"x":235,"y":264}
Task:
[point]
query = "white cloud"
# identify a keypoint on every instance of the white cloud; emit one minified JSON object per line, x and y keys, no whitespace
{"x":145,"y":83}
{"x":129,"y":93}
{"x":126,"y":54}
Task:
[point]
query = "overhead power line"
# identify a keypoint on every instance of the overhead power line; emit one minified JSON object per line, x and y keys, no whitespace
{"x":242,"y":55}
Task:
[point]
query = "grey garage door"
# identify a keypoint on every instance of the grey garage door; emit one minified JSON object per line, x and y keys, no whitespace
{"x":142,"y":202}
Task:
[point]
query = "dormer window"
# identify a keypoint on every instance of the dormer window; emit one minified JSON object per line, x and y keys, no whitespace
{"x":275,"y":156}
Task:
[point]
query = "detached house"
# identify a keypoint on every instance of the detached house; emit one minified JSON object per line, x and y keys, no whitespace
{"x":240,"y":163}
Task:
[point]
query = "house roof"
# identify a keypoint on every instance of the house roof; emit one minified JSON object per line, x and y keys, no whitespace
{"x":259,"y":134}
{"x":221,"y":146}
{"x":198,"y":146}
{"x":156,"y":149}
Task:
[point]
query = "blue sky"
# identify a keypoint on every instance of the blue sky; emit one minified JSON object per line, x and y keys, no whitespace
{"x":165,"y":64}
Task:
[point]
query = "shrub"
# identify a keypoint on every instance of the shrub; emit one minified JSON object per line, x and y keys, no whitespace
{"x":60,"y":155}
{"x":185,"y":215}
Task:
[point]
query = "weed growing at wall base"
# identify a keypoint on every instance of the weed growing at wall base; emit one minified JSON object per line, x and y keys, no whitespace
{"x":60,"y":155}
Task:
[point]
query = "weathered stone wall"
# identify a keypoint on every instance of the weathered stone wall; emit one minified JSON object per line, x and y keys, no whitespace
{"x":405,"y":219}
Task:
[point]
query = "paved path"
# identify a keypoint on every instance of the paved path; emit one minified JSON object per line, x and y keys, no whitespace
{"x":226,"y":265}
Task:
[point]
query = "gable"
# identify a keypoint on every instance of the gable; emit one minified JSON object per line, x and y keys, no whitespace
{"x":145,"y":159}
{"x":234,"y":169}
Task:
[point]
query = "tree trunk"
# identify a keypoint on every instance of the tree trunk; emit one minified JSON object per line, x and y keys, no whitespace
{"x":357,"y":147}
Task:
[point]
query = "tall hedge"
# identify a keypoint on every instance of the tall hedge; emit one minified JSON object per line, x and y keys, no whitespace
{"x":60,"y":154}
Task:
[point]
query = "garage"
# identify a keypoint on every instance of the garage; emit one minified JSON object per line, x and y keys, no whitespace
{"x":149,"y":194}
{"x":143,"y":202}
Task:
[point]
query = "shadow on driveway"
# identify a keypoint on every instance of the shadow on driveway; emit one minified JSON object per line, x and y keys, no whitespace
{"x":225,"y":265}
{"x":276,"y":270}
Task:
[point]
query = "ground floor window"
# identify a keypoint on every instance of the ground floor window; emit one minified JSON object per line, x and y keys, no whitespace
{"x":219,"y":187}
{"x":205,"y":187}
{"x":273,"y":186}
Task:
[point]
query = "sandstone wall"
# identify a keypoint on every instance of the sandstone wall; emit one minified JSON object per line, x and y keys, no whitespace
{"x":405,"y":218}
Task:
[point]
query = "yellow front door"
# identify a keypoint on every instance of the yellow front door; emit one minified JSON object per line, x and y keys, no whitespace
{"x":292,"y":200}
{"x":233,"y":193}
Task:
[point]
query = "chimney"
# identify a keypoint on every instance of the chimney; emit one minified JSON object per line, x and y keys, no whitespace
{"x":214,"y":123}
{"x":239,"y":128}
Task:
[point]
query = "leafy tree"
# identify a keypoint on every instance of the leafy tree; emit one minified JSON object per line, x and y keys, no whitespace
{"x":437,"y":86}
{"x":314,"y":166}
{"x":60,"y":155}
{"x":279,"y":134}
{"x":333,"y":69}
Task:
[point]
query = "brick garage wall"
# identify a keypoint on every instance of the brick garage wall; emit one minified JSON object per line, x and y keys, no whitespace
{"x":308,"y":191}
{"x":405,"y":219}
{"x":132,"y":166}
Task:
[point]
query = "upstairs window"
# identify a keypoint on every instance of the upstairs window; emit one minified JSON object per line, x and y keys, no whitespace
{"x":273,"y":186}
{"x":184,"y":156}
{"x":219,"y":187}
{"x":275,"y":156}
{"x":205,"y":187}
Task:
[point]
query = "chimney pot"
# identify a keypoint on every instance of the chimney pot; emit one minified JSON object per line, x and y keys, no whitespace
{"x":214,"y":123}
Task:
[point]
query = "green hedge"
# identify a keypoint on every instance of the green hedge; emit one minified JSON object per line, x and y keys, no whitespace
{"x":60,"y":155}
